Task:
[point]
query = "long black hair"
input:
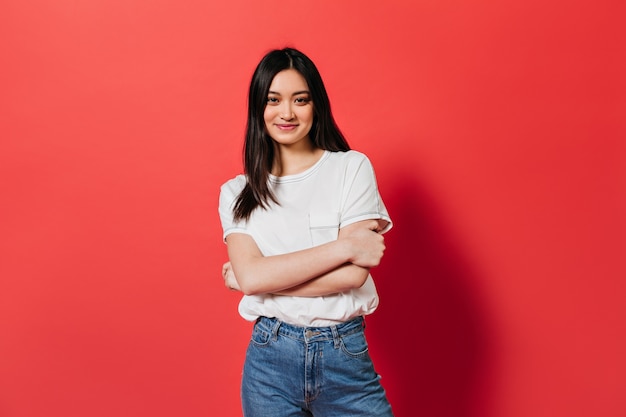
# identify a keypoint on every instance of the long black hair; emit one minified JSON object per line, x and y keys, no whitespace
{"x":258,"y":151}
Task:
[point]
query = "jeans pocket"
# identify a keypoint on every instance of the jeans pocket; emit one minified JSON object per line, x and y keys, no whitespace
{"x":260,"y":336}
{"x":354,"y":345}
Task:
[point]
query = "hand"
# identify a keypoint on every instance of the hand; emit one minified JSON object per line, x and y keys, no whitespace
{"x":229,"y":277}
{"x":365,"y":242}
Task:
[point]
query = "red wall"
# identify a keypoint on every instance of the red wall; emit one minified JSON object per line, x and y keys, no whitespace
{"x":497,"y":131}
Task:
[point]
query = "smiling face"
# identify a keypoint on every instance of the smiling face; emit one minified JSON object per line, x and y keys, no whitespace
{"x":289,"y":111}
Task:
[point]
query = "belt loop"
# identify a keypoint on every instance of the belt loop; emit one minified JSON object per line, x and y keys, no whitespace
{"x":336,"y":337}
{"x":275,"y":329}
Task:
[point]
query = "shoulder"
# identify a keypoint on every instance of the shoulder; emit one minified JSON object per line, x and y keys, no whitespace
{"x":231,"y":188}
{"x":237,"y":182}
{"x":349,"y":158}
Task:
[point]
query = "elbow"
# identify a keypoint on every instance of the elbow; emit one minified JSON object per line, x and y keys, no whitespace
{"x":358,"y":280}
{"x":250,"y":286}
{"x":250,"y":291}
{"x":252,"y":282}
{"x":247,"y":283}
{"x":247,"y":289}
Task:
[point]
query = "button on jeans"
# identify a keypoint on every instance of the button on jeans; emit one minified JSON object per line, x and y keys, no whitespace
{"x":293,"y":371}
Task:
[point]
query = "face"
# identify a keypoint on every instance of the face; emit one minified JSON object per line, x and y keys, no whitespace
{"x":289,"y":111}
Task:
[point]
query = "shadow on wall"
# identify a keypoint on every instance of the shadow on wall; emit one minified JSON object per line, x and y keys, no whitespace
{"x":430,"y":337}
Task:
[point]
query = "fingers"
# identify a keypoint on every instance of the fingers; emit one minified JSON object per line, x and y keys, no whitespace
{"x":228,"y":275}
{"x":364,"y":225}
{"x":373,"y":225}
{"x":367,"y":247}
{"x":225,"y":268}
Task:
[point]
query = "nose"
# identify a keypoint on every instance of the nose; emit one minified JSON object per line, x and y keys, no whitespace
{"x":286,"y":112}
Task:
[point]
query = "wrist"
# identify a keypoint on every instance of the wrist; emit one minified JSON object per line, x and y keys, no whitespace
{"x":343,"y":249}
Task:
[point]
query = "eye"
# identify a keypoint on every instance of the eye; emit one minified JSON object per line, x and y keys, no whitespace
{"x":272,"y":100}
{"x":302,"y":100}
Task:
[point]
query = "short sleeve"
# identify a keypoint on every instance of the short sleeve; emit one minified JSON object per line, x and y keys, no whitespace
{"x":362,"y":200}
{"x":228,"y":195}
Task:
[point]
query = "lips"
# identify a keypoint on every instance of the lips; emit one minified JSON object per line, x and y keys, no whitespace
{"x":286,"y":126}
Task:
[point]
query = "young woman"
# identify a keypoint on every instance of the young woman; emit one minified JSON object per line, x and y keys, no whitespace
{"x":303,"y":227}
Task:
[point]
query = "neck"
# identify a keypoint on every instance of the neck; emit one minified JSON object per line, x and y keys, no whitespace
{"x":290,"y":161}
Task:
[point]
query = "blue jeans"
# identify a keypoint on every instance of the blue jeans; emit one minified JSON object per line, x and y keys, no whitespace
{"x":293,"y":371}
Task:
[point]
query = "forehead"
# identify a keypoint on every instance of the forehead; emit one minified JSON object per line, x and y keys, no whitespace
{"x":288,"y":81}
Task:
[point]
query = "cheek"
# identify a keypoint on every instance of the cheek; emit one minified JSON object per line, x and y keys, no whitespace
{"x":268,"y":115}
{"x":306,"y":115}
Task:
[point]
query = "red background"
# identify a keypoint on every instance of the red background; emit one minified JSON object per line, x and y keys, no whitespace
{"x":497,"y":132}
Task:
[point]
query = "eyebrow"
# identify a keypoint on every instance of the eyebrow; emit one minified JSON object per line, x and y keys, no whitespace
{"x":294,"y":94}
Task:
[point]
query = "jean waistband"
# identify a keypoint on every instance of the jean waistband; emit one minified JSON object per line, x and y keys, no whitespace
{"x":311,"y":334}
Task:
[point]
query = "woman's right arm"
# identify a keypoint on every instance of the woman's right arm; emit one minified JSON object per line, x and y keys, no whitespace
{"x":343,"y":278}
{"x":257,"y":274}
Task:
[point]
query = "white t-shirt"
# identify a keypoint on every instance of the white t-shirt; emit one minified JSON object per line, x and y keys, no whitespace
{"x":340,"y":189}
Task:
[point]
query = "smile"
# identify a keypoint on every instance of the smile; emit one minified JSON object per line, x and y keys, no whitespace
{"x":286,"y":126}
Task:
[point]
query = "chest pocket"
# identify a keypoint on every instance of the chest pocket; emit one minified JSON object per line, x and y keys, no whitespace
{"x":324,"y":227}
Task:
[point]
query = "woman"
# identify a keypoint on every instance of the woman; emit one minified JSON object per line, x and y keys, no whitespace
{"x":303,"y":227}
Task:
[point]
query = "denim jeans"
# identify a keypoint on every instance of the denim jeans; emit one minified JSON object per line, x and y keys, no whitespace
{"x":293,"y":371}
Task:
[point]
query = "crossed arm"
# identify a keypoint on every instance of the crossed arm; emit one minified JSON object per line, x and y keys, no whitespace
{"x":330,"y":268}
